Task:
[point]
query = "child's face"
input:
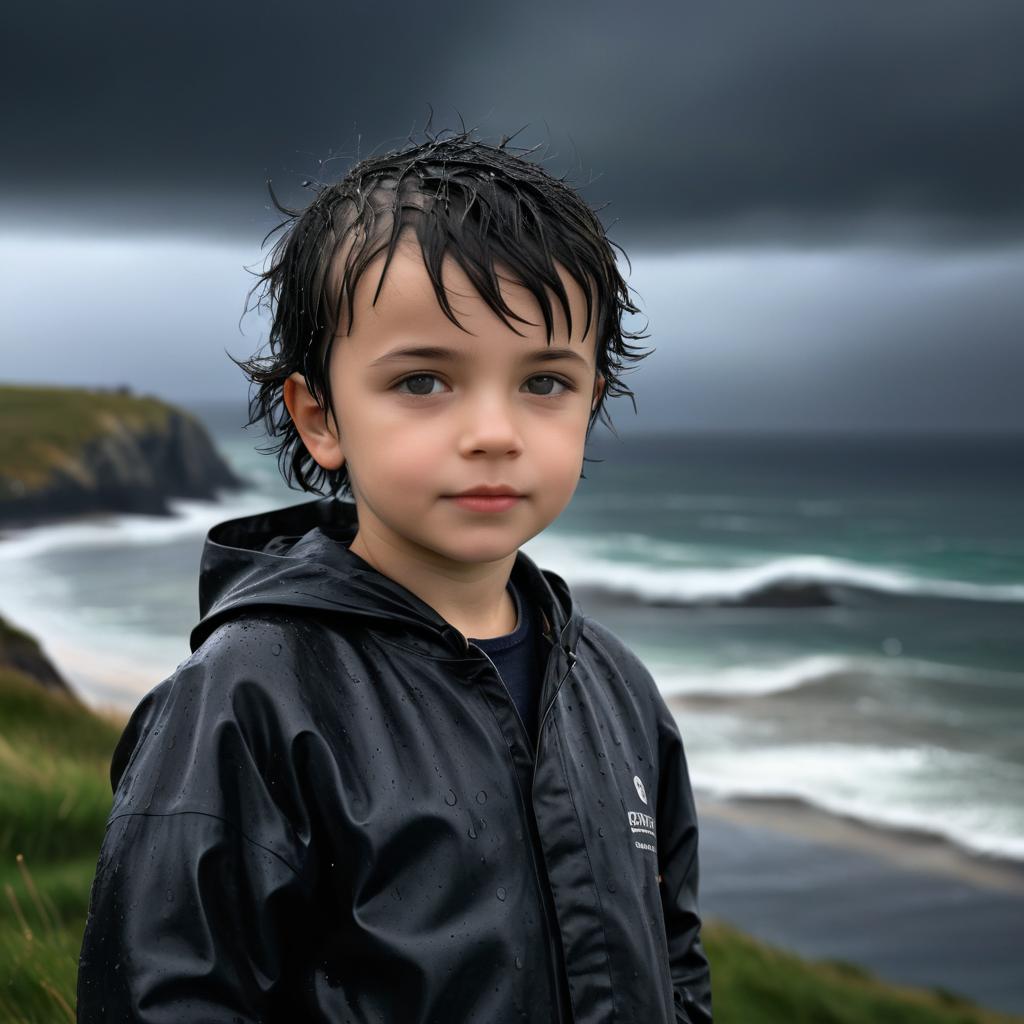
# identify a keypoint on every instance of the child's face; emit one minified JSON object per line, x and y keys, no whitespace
{"x":415,"y":430}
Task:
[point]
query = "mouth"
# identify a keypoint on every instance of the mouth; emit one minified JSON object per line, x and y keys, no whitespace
{"x":478,"y":501}
{"x":488,"y":492}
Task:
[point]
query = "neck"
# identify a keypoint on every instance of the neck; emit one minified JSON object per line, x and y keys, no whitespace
{"x":472,"y":597}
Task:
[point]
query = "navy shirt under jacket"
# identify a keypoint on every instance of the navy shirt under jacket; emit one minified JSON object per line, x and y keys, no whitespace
{"x":516,"y":656}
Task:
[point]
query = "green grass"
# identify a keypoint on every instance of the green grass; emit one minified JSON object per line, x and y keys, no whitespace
{"x":42,"y":428}
{"x":41,"y":925}
{"x":754,"y":983}
{"x":54,"y":799}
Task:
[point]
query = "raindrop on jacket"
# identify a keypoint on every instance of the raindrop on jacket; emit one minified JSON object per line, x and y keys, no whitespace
{"x":312,"y":846}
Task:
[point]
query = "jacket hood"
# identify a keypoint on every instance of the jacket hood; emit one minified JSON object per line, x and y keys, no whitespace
{"x":298,"y":557}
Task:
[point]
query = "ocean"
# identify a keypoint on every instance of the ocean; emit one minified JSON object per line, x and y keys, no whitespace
{"x":898,"y":699}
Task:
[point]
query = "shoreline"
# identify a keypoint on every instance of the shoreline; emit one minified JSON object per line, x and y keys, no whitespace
{"x":911,"y":907}
{"x":903,"y":846}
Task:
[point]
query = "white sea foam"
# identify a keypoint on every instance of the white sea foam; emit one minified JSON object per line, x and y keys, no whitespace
{"x":817,"y":670}
{"x":582,"y":563}
{"x":923,"y":787}
{"x":191,"y":517}
{"x":109,"y":664}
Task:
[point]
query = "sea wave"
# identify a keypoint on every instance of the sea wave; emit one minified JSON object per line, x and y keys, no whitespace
{"x":620,"y":566}
{"x":897,"y":788}
{"x":190,"y":517}
{"x":769,"y":581}
{"x":813,"y":670}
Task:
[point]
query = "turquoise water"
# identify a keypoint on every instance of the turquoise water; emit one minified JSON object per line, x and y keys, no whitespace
{"x":898,"y":698}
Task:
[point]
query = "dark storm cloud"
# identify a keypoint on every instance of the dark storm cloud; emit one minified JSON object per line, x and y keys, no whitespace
{"x":699,"y":121}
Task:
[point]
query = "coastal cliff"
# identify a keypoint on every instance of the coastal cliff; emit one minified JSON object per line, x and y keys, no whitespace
{"x":66,"y":452}
{"x":21,"y":652}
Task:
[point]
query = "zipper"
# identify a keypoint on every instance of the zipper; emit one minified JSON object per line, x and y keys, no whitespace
{"x":557,"y":984}
{"x":544,"y":715}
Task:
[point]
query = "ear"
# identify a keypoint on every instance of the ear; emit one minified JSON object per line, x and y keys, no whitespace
{"x":308,"y":416}
{"x":599,"y":384}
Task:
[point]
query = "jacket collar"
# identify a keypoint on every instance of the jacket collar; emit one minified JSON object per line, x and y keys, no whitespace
{"x":298,"y":557}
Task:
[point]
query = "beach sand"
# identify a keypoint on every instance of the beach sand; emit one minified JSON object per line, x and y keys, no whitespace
{"x":912,"y":908}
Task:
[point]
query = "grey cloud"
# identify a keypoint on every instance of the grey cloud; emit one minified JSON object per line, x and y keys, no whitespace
{"x":156,"y":313}
{"x":831,"y":340}
{"x":813,"y":340}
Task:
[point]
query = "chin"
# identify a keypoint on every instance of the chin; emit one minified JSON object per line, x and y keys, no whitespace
{"x":474,"y":554}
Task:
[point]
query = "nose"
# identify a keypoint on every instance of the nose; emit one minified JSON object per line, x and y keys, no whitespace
{"x":489,"y":425}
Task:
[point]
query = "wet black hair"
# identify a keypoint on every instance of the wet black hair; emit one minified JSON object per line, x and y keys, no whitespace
{"x":478,"y":203}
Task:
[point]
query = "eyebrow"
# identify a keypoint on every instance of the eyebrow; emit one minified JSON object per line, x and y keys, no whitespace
{"x":450,"y":355}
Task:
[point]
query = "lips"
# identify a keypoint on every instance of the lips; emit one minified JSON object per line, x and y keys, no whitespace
{"x":486,"y":503}
{"x":499,"y":491}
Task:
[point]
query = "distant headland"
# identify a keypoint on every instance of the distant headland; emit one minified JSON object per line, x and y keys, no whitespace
{"x":66,"y":452}
{"x":20,"y":651}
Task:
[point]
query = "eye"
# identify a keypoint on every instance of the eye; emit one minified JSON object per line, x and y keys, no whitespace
{"x":567,"y":385}
{"x":416,"y":377}
{"x":415,"y":382}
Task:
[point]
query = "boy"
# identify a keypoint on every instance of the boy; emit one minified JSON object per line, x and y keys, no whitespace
{"x":401,"y":776}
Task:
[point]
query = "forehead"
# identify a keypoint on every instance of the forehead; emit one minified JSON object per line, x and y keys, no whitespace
{"x":407,"y":307}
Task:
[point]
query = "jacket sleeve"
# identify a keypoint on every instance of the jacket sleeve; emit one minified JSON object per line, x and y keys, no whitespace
{"x":679,"y":868}
{"x":201,"y":893}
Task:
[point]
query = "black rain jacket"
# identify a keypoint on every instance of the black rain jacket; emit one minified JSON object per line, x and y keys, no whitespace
{"x":330,"y":812}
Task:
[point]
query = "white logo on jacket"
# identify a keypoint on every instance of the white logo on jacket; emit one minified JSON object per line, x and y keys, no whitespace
{"x":640,"y":822}
{"x":640,"y":791}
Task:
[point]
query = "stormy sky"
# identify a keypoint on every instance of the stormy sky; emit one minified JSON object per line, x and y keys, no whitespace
{"x":823,"y":202}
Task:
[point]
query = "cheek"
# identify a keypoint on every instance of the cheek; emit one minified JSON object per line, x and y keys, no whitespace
{"x":560,"y":456}
{"x":401,"y":452}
